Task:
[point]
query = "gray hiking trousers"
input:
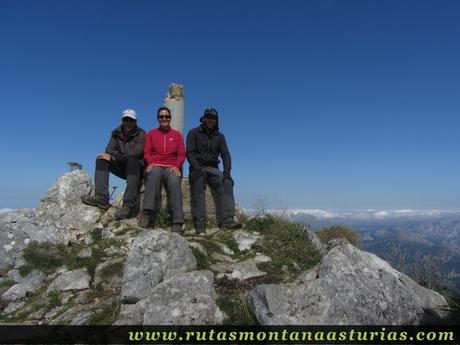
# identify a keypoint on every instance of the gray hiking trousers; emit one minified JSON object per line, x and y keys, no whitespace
{"x":153,"y":182}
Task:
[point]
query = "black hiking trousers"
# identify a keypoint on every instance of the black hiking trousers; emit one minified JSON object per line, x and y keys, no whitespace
{"x":130,"y":170}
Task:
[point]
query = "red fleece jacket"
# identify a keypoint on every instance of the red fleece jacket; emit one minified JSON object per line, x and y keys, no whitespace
{"x":164,"y":148}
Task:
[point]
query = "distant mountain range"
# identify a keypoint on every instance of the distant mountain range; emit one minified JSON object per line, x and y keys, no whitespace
{"x":418,"y":242}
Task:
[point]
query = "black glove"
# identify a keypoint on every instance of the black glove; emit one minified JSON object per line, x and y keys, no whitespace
{"x":228,"y":177}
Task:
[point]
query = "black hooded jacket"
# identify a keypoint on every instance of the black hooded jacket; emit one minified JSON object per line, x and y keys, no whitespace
{"x":204,"y":147}
{"x":122,"y":148}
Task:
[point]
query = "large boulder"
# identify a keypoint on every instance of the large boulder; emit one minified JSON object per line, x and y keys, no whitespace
{"x":185,"y":299}
{"x":59,"y":218}
{"x":348,"y":287}
{"x":154,"y":256}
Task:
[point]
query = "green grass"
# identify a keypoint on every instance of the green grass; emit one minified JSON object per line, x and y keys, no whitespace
{"x":226,"y":237}
{"x":48,"y":257}
{"x":287,"y":244}
{"x":107,"y":315}
{"x":6,"y":283}
{"x":201,"y":259}
{"x":339,"y":231}
{"x":111,"y":269}
{"x":53,"y":299}
{"x":232,"y":299}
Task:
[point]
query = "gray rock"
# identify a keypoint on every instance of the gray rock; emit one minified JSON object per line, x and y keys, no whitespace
{"x":199,"y":247}
{"x":85,"y":253}
{"x":112,"y":280}
{"x":75,"y":316}
{"x":225,"y":249}
{"x":32,"y":281}
{"x":245,"y":239}
{"x":14,"y":293}
{"x":132,"y":314}
{"x":185,"y":299}
{"x":14,"y":307}
{"x":59,"y":218}
{"x":259,"y":258}
{"x":246,"y":269}
{"x":222,"y":258}
{"x":152,"y":257}
{"x":348,"y":287}
{"x":71,"y":280}
{"x":114,"y":251}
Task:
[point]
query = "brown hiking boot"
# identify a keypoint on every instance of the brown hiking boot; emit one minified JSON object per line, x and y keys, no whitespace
{"x":146,"y":219}
{"x":232,"y":225}
{"x":123,"y":212}
{"x":93,"y":200}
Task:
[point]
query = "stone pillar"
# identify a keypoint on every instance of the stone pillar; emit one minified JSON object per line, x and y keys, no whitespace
{"x":175,"y":102}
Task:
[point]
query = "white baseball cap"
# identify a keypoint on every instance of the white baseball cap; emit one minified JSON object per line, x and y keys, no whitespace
{"x":129,"y":113}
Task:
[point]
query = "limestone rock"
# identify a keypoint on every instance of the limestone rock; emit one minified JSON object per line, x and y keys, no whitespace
{"x":246,"y":269}
{"x":152,"y":257}
{"x":185,"y":299}
{"x":85,"y":253}
{"x":75,"y":316}
{"x":245,"y":239}
{"x":60,"y":217}
{"x":13,"y":307}
{"x":61,"y":213}
{"x":71,"y":280}
{"x":341,"y":289}
{"x":32,"y":281}
{"x":14,"y":293}
{"x":107,"y":276}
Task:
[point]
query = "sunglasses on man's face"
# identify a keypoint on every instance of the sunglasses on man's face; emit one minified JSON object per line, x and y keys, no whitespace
{"x":128,"y":119}
{"x":164,"y":117}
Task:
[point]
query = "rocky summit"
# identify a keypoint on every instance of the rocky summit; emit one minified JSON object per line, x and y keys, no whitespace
{"x":68,"y":263}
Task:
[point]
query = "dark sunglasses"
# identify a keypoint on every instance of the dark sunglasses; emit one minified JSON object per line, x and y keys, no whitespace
{"x":128,"y":119}
{"x":164,"y":117}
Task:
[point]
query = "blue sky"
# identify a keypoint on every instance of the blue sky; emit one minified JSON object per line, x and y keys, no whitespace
{"x":325,"y":104}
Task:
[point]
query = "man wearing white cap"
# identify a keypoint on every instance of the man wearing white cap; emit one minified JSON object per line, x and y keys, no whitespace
{"x":123,"y":157}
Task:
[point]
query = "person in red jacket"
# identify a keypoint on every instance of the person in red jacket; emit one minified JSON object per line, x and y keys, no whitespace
{"x":164,"y":154}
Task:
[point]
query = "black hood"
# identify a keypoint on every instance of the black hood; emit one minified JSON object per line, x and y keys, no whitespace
{"x":216,"y":127}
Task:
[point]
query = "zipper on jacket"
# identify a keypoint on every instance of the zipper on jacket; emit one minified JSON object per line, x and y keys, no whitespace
{"x":164,"y":143}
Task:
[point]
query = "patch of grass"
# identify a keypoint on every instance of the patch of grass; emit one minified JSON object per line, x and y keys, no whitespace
{"x":210,"y":246}
{"x":111,"y":269}
{"x":107,"y":315}
{"x":7,"y":283}
{"x":287,"y":244}
{"x":44,"y":256}
{"x":226,"y":237}
{"x":232,"y":300}
{"x":201,"y":259}
{"x":53,"y":299}
{"x":339,"y":231}
{"x":261,"y":223}
{"x":48,"y":257}
{"x":24,"y":270}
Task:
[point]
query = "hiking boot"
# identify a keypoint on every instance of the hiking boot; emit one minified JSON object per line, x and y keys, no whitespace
{"x":200,"y":230}
{"x":147,"y":219}
{"x":93,"y":200}
{"x":177,"y":228}
{"x":123,"y":212}
{"x":232,"y":225}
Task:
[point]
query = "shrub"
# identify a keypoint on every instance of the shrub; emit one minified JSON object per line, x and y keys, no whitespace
{"x":339,"y":231}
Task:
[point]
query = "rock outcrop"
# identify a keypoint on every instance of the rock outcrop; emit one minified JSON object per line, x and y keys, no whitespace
{"x":106,"y":271}
{"x":348,"y":287}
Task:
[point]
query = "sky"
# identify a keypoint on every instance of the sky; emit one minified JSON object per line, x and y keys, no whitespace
{"x":324,"y":104}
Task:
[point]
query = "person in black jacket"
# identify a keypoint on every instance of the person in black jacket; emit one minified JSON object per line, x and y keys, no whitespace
{"x":204,"y":145}
{"x":123,"y":157}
